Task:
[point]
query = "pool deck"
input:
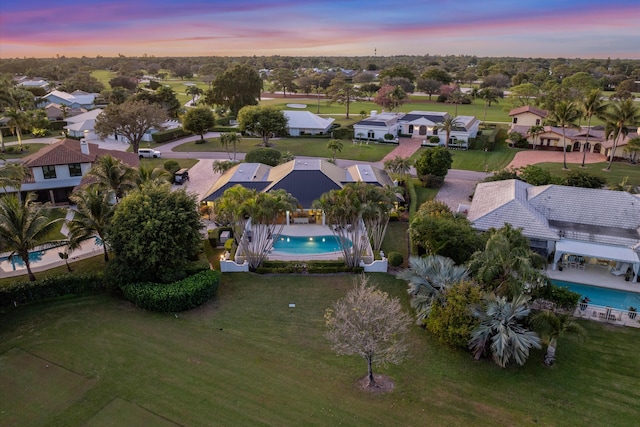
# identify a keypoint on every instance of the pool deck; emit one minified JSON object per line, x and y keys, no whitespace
{"x":594,"y":275}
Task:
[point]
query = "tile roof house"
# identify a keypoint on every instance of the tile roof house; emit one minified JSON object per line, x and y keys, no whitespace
{"x":527,"y":116}
{"x":55,"y":170}
{"x":582,"y":221}
{"x":304,"y":179}
{"x":307,"y":123}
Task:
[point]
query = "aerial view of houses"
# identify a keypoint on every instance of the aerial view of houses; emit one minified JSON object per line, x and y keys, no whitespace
{"x":248,"y":214}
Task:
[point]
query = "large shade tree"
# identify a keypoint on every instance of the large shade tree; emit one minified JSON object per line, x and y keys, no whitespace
{"x":342,"y":92}
{"x":370,"y":324}
{"x":24,"y":225}
{"x":154,"y":232}
{"x":131,"y":119}
{"x":263,"y":121}
{"x":199,"y":120}
{"x":239,"y":86}
{"x":502,"y":331}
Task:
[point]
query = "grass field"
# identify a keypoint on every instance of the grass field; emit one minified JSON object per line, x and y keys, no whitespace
{"x":314,"y":147}
{"x":27,"y":149}
{"x":247,"y":359}
{"x":617,"y":173}
{"x":103,"y":76}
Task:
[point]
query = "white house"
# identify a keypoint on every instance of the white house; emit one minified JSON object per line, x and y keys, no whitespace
{"x":416,"y":124}
{"x":376,"y":126}
{"x":307,"y":123}
{"x":55,"y":170}
{"x":82,"y":126}
{"x":76,"y":99}
{"x":585,"y":222}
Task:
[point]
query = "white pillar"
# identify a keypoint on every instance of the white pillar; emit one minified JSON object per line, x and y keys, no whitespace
{"x":287,"y":218}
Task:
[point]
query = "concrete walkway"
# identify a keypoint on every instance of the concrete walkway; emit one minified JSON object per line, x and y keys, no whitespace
{"x":405,"y":149}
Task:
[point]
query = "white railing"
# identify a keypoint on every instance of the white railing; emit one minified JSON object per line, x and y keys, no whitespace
{"x":608,"y":315}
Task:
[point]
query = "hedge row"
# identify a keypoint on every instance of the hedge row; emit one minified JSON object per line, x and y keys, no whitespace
{"x":311,"y":267}
{"x":561,"y":295}
{"x":174,"y":297}
{"x":51,"y":287}
{"x":168,"y":135}
{"x":413,"y":198}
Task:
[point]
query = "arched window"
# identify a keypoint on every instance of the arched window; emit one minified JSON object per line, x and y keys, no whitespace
{"x":423,"y":130}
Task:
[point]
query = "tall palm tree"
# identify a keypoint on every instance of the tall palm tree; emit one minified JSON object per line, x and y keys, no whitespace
{"x":23,"y":225}
{"x":193,"y":91}
{"x":553,"y":326}
{"x":456,"y":97}
{"x":490,"y":96}
{"x":535,"y":131}
{"x":565,"y":114}
{"x":92,"y":215}
{"x":620,"y":117}
{"x":428,"y":278}
{"x":113,"y":174}
{"x":230,"y":139}
{"x":448,"y":125}
{"x":591,"y":106}
{"x":398,"y":167}
{"x":501,"y":330}
{"x":335,"y":145}
{"x":18,"y":120}
{"x":11,"y":175}
{"x":377,"y":208}
{"x":507,"y":265}
{"x":633,"y":148}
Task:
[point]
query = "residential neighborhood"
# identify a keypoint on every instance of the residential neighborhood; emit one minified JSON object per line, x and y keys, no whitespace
{"x":321,"y":240}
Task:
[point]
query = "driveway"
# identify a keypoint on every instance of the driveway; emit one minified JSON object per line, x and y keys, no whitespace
{"x":458,"y":186}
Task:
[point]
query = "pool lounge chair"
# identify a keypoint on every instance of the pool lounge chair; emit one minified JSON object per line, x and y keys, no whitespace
{"x":620,"y":271}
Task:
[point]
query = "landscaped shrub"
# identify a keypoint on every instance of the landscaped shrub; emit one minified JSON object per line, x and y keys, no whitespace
{"x":562,"y":296}
{"x":174,"y":297}
{"x":395,"y":259}
{"x":303,"y":267}
{"x":342,"y":133}
{"x":51,"y":287}
{"x":57,"y":125}
{"x":434,"y":139}
{"x":168,"y":135}
{"x":388,"y":136}
{"x":171,"y":166}
{"x":264,"y":155}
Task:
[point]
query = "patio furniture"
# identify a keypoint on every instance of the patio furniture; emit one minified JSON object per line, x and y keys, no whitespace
{"x":620,"y":271}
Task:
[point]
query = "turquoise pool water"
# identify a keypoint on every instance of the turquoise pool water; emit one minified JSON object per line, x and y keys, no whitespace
{"x":603,"y":296}
{"x":16,"y":261}
{"x":299,"y":245}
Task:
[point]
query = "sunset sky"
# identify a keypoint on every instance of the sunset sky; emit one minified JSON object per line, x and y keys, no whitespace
{"x":523,"y":28}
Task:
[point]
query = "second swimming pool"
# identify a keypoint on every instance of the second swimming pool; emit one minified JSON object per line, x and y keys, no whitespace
{"x":301,"y":245}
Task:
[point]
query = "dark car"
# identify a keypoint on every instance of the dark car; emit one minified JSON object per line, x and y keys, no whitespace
{"x":181,"y":176}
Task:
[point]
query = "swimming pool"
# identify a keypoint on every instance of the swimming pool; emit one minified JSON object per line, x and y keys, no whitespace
{"x":17,"y":262}
{"x":306,"y":245}
{"x":604,"y":296}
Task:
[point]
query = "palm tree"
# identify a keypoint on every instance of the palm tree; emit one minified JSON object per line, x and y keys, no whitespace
{"x":501,"y":330}
{"x":18,"y":120}
{"x":193,"y":91}
{"x":507,"y":265}
{"x":619,"y":118}
{"x":429,"y":277}
{"x":591,"y":106}
{"x":633,"y":148}
{"x":335,"y":145}
{"x":490,"y":96}
{"x":448,"y":125}
{"x":113,"y":174}
{"x":11,"y":175}
{"x":230,"y":138}
{"x":377,"y":208}
{"x":535,"y":131}
{"x":565,"y":114}
{"x":144,"y":175}
{"x":398,"y":167}
{"x":92,"y":215}
{"x":456,"y":97}
{"x":398,"y":96}
{"x":554,"y":326}
{"x":70,"y":245}
{"x":221,"y":166}
{"x":23,"y":225}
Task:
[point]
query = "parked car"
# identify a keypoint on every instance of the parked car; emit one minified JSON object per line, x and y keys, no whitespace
{"x":181,"y":176}
{"x":149,"y":153}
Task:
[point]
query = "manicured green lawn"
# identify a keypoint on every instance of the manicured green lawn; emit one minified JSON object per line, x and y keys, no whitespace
{"x":477,"y":160}
{"x":246,"y":358}
{"x":617,"y":173}
{"x":26,"y":150}
{"x":88,"y":265}
{"x":104,"y":76}
{"x":396,"y":239}
{"x":495,"y":113}
{"x":159,"y":163}
{"x":313,"y":147}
